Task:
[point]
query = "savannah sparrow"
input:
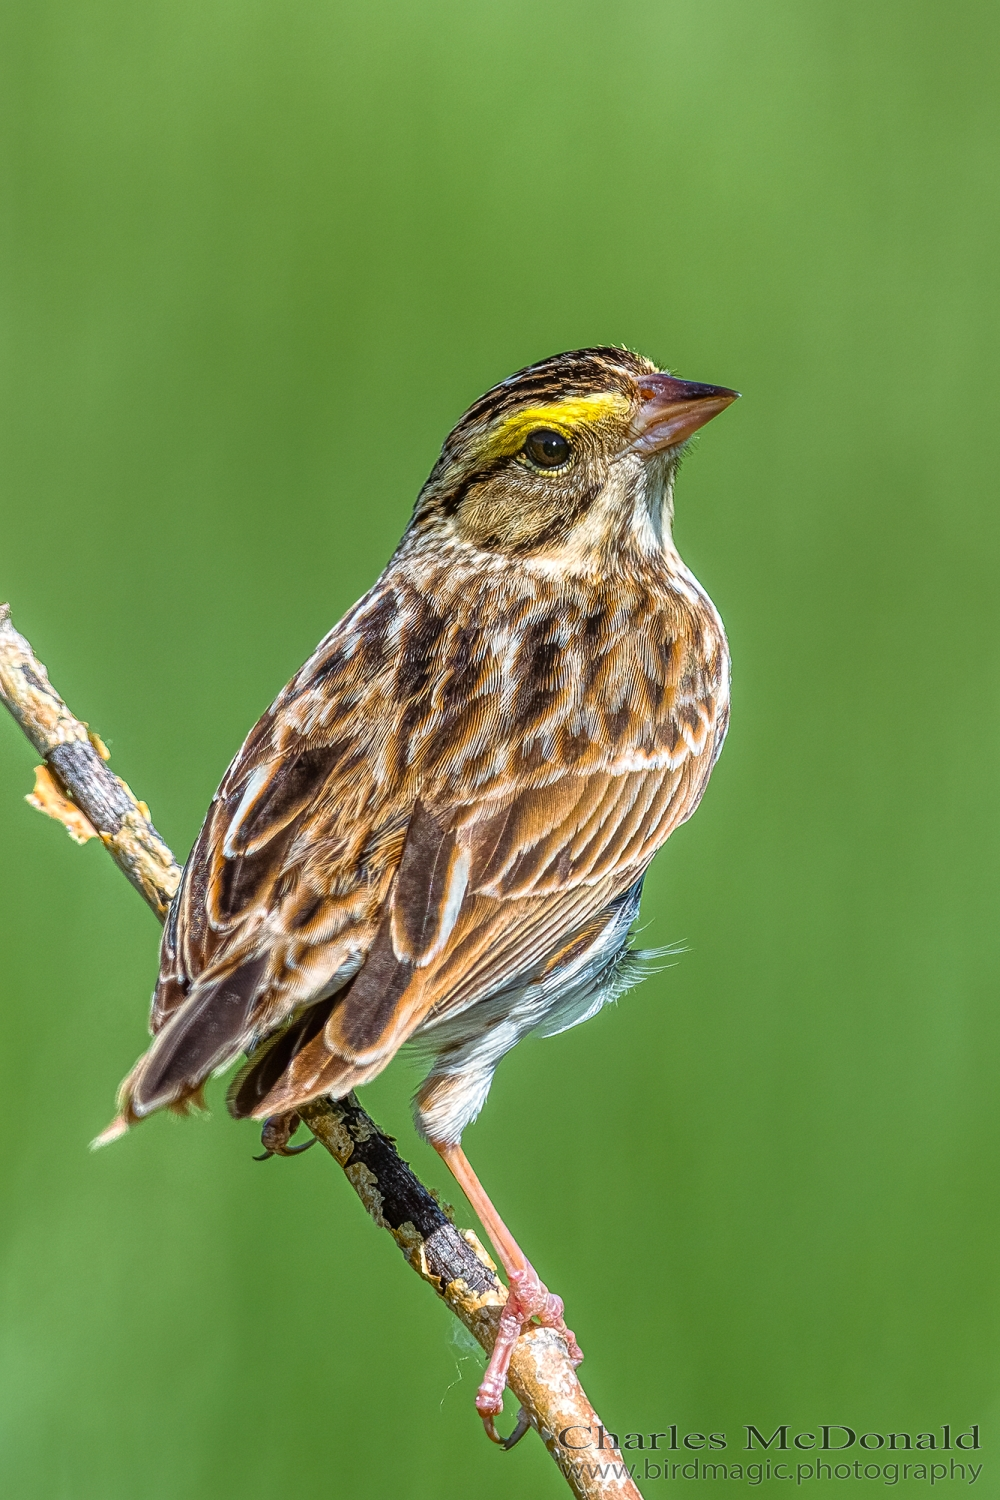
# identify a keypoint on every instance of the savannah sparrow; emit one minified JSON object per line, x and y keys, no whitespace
{"x":438,"y":831}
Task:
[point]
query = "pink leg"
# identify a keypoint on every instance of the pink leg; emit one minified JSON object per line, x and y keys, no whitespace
{"x":527,"y":1298}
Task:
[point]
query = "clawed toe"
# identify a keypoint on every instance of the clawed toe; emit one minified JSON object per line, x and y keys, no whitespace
{"x":546,"y":1307}
{"x":277,"y":1131}
{"x":521,"y":1426}
{"x":527,"y":1299}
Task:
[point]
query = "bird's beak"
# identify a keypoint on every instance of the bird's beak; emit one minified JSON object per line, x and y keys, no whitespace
{"x":672,"y":410}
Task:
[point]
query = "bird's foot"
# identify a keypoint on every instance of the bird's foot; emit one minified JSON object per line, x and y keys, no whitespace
{"x":277,"y":1132}
{"x":527,"y":1299}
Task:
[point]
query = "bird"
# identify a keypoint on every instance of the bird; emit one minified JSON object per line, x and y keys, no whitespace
{"x":438,"y":832}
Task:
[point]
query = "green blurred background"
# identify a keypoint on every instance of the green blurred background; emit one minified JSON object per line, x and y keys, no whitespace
{"x":256,"y":259}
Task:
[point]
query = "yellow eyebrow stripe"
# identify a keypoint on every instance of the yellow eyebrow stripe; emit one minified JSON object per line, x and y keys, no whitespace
{"x":560,"y":416}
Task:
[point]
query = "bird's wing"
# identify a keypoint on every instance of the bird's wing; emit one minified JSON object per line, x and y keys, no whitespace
{"x":547,"y":773}
{"x":484,"y":898}
{"x":302,"y":838}
{"x":280,"y":896}
{"x":527,"y":877}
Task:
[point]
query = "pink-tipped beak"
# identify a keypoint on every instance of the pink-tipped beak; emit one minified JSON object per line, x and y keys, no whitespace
{"x":672,"y":410}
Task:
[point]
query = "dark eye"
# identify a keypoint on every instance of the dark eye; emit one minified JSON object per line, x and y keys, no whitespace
{"x":546,"y":448}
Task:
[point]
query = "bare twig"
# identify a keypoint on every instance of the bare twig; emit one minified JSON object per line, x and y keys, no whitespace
{"x":75,"y":760}
{"x":76,"y":786}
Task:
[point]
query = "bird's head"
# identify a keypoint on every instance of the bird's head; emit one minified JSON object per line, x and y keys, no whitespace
{"x":568,"y":460}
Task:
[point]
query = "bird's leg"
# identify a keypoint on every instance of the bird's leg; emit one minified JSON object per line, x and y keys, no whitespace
{"x":277,"y":1131}
{"x":527,"y":1297}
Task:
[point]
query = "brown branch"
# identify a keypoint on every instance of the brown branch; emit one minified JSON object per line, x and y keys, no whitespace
{"x":76,"y":786}
{"x":75,"y":761}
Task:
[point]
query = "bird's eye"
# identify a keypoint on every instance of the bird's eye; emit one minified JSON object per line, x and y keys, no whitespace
{"x":546,"y":448}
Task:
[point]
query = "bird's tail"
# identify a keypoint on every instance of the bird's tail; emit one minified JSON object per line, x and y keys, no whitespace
{"x":203,"y":1035}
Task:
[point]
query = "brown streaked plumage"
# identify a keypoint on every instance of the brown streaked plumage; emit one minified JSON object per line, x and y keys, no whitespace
{"x":438,"y":831}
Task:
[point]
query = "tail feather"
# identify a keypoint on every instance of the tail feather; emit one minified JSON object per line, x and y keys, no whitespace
{"x":270,"y":1061}
{"x":299,"y":1065}
{"x":205,"y":1033}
